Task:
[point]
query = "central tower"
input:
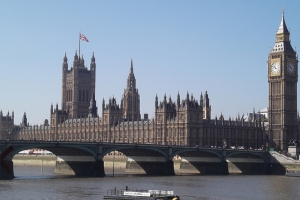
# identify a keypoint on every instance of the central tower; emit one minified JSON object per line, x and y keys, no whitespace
{"x":130,"y":102}
{"x":78,"y":86}
{"x":282,"y":78}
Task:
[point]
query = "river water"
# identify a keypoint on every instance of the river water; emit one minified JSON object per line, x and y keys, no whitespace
{"x":31,"y":183}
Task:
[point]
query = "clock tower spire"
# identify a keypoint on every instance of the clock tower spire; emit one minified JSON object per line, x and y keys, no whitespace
{"x":282,"y":78}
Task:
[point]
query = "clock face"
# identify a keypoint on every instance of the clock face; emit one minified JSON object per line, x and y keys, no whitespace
{"x":275,"y":68}
{"x":291,"y":68}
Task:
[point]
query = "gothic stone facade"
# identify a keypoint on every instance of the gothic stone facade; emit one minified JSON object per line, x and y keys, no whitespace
{"x":185,"y":127}
{"x":184,"y":122}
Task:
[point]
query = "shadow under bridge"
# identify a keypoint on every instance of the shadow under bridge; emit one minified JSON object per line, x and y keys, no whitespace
{"x":221,"y":161}
{"x":144,"y":159}
{"x":246,"y":162}
{"x":200,"y":161}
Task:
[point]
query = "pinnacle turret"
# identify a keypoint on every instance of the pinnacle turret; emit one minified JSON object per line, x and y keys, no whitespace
{"x":201,"y":99}
{"x":24,"y":120}
{"x":76,"y":56}
{"x":93,"y":58}
{"x":178,"y":100}
{"x":93,"y":108}
{"x":156,"y":102}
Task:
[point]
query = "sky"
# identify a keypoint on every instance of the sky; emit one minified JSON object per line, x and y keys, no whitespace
{"x":176,"y":47}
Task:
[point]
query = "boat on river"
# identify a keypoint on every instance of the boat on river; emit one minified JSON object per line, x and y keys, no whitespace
{"x":127,"y":194}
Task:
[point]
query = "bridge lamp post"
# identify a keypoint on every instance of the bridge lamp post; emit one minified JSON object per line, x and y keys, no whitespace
{"x":8,"y":132}
{"x":267,"y":139}
{"x":114,"y":164}
{"x":224,"y":144}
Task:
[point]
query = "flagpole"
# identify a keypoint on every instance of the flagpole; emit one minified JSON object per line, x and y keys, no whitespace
{"x":79,"y":44}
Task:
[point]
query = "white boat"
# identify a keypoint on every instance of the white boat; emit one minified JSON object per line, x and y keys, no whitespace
{"x":127,"y":194}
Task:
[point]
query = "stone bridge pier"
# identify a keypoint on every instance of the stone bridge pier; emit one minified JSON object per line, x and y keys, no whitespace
{"x":7,"y":174}
{"x":6,"y":165}
{"x":6,"y":169}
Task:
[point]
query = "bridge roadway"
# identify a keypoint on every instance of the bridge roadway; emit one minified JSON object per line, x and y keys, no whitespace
{"x":86,"y":158}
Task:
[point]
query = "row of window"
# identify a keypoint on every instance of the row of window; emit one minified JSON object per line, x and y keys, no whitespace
{"x":69,"y":95}
{"x":83,"y":96}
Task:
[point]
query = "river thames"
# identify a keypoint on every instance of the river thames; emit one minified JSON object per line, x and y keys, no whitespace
{"x":31,"y":183}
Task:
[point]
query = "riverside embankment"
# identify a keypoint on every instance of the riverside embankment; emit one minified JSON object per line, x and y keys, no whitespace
{"x":118,"y":163}
{"x":32,"y":160}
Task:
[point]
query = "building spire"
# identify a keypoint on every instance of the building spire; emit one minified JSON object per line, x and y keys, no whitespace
{"x":282,"y":27}
{"x":93,"y":108}
{"x":65,"y":62}
{"x":131,"y":78}
{"x":65,"y":58}
{"x":93,"y":58}
{"x":282,"y":43}
{"x":131,"y":67}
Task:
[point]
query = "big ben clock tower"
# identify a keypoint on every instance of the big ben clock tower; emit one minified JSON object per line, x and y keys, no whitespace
{"x":282,"y":78}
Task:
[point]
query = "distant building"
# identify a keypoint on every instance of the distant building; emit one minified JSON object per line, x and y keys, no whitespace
{"x":6,"y":126}
{"x":262,"y":114}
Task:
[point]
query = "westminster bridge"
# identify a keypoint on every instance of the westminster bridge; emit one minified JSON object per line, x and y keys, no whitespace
{"x":86,"y":158}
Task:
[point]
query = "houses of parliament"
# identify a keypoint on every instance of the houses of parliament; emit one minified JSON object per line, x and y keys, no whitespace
{"x":185,"y":120}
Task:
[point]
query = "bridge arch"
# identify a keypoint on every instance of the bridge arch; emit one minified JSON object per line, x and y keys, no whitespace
{"x":130,"y":149}
{"x":72,"y":158}
{"x":249,"y":153}
{"x":144,"y":159}
{"x":194,"y":152}
{"x":246,"y":162}
{"x":57,"y":148}
{"x":199,"y":161}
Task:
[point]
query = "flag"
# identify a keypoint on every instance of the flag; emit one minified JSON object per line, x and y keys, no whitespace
{"x":82,"y":37}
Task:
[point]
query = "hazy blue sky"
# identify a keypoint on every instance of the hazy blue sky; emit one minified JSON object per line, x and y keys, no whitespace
{"x":176,"y":46}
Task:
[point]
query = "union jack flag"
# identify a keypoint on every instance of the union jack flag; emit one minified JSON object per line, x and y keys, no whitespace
{"x":82,"y":37}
